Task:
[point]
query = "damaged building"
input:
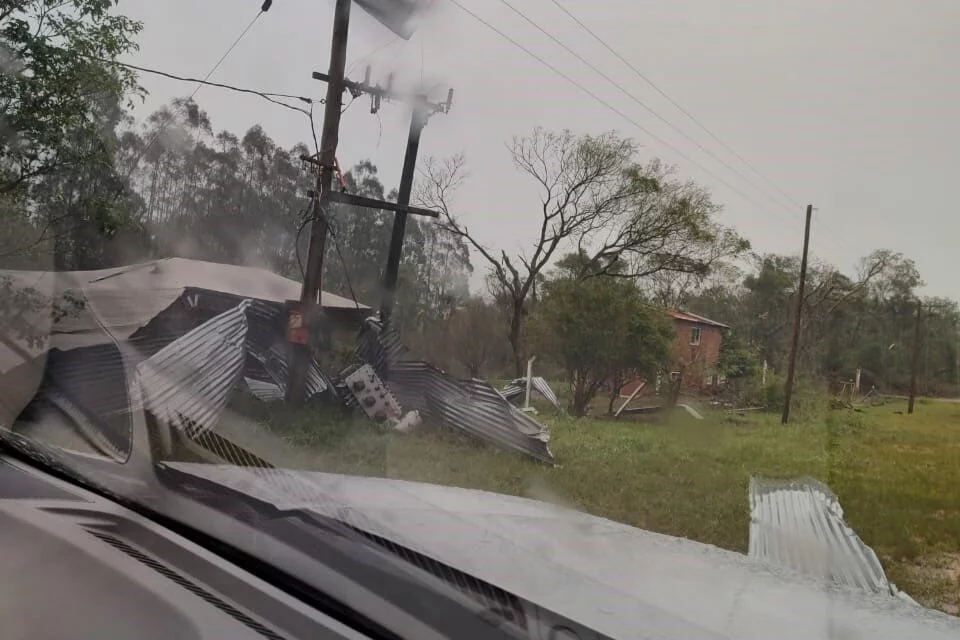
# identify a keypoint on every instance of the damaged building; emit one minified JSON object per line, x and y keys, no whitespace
{"x":191,"y":333}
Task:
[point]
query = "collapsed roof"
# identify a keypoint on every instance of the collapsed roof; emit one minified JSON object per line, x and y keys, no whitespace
{"x":115,"y":305}
{"x":120,"y":300}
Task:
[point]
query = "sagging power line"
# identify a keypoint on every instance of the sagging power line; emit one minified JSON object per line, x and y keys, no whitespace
{"x":791,"y":214}
{"x":673,"y":102}
{"x":579,"y":86}
{"x":263,"y":9}
{"x":639,"y":102}
{"x":267,"y":95}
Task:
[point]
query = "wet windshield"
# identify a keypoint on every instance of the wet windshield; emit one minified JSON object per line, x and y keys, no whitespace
{"x":545,"y":275}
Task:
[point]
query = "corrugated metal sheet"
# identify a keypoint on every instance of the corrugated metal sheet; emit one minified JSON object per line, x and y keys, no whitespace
{"x":265,"y":391}
{"x":379,"y":348}
{"x":518,"y":388}
{"x":799,"y":524}
{"x":274,"y":362}
{"x":187,"y":383}
{"x":470,"y":406}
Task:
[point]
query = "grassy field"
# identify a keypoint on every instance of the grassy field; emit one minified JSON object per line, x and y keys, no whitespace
{"x":897,"y":476}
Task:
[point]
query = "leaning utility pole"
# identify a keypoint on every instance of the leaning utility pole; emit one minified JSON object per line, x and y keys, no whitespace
{"x":916,"y":359}
{"x":417,"y":122}
{"x":422,"y":110}
{"x":310,"y":291}
{"x":792,"y":364}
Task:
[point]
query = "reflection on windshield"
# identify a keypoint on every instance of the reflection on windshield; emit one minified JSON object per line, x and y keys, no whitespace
{"x":555,"y":327}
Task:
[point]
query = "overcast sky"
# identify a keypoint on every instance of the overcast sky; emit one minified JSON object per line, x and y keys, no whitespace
{"x":847,"y":105}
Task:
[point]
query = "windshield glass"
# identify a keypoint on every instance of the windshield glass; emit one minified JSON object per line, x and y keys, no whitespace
{"x":545,"y":277}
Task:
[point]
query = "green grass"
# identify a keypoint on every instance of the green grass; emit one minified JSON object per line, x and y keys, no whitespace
{"x":897,"y":476}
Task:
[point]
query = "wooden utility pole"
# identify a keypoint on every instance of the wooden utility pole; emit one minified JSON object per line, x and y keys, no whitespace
{"x":422,"y":110}
{"x":312,"y":278}
{"x":916,"y":358}
{"x":792,"y":363}
{"x":417,"y":122}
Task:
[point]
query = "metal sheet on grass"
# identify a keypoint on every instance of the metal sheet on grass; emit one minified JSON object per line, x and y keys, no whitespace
{"x":799,"y":524}
{"x":473,"y":407}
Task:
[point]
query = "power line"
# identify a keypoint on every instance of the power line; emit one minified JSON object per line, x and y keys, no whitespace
{"x":637,"y":100}
{"x":836,"y":238}
{"x":669,"y":99}
{"x":343,"y":265}
{"x":229,"y":51}
{"x":266,"y":95}
{"x":608,"y":105}
{"x":213,"y":69}
{"x":383,"y":47}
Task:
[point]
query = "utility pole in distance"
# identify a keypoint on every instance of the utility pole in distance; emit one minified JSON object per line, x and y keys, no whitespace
{"x":914,"y":365}
{"x":310,"y":291}
{"x":792,"y":364}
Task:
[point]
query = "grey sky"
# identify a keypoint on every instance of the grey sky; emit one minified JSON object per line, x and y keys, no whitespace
{"x":849,"y":105}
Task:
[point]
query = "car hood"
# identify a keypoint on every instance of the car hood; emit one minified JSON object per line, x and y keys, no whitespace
{"x":618,"y":580}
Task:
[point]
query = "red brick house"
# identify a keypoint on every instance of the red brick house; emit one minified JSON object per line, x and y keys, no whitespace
{"x":696,"y":351}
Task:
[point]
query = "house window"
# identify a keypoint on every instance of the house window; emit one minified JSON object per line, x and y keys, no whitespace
{"x":695,"y":335}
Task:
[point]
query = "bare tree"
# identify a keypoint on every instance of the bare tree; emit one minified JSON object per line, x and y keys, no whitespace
{"x":631,"y":218}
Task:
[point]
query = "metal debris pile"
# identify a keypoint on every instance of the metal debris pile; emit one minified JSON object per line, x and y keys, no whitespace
{"x":472,"y":407}
{"x":387,"y":386}
{"x":184,"y":383}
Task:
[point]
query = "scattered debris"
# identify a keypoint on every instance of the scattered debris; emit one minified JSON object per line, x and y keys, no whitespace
{"x":373,"y":398}
{"x":408,"y":422}
{"x":264,"y":391}
{"x":186,"y":375}
{"x":799,"y":524}
{"x":633,"y":395}
{"x":473,"y":407}
{"x":691,"y":411}
{"x":515,"y":389}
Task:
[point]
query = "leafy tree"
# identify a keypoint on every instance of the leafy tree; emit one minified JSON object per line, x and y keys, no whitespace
{"x":600,"y":331}
{"x":53,"y":83}
{"x":863,"y":321}
{"x":634,"y":220}
{"x":738,"y":359}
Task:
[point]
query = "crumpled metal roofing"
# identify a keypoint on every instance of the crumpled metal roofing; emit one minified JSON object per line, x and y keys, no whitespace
{"x":471,"y":406}
{"x":274,"y":362}
{"x":799,"y":524}
{"x":517,"y":388}
{"x":187,"y":383}
{"x":264,"y":391}
{"x":124,"y":299}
